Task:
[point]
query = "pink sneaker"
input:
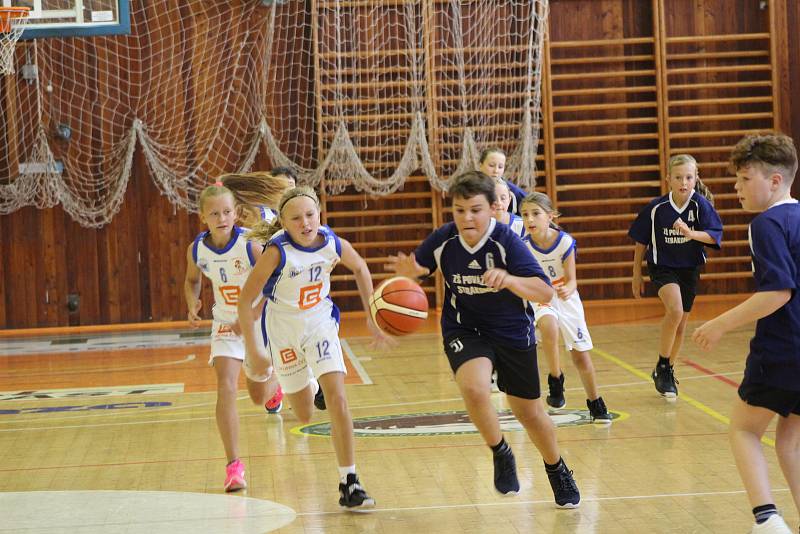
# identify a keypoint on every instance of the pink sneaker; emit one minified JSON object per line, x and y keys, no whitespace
{"x":234,"y":476}
{"x":275,"y":404}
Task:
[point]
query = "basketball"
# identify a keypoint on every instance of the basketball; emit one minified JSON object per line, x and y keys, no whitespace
{"x":399,"y":306}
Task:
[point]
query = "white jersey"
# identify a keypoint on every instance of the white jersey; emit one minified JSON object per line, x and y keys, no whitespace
{"x":552,"y":259}
{"x":303,"y":277}
{"x":517,"y":225}
{"x":568,"y":313}
{"x":267,"y":214}
{"x":227,"y":268}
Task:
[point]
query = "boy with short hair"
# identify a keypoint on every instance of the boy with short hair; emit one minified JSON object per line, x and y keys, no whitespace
{"x":765,"y":167}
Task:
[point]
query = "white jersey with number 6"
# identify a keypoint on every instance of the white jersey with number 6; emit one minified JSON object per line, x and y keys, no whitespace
{"x":227,"y":268}
{"x":303,"y":277}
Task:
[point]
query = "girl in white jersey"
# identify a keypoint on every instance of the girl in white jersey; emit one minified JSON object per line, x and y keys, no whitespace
{"x":301,"y":321}
{"x":257,"y":197}
{"x":501,"y":212}
{"x":554,"y":249}
{"x":225,"y":257}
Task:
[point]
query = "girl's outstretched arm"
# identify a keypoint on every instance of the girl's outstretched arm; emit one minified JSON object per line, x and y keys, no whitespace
{"x":353,"y":261}
{"x":570,"y":284}
{"x":192,"y":285}
{"x":255,"y":355}
{"x":637,"y":285}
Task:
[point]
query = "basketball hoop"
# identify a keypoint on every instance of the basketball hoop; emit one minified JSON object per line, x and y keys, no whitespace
{"x":12,"y":22}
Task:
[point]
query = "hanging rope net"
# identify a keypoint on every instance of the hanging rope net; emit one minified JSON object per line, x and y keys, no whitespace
{"x":353,"y":93}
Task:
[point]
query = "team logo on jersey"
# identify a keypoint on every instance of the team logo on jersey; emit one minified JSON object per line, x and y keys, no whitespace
{"x":456,"y":345}
{"x":239,"y":266}
{"x":489,"y":260}
{"x":295,"y":273}
{"x":474,"y":265}
{"x":202,"y":264}
{"x":288,"y":355}
{"x":230,"y":294}
{"x":690,"y":218}
{"x":442,"y":423}
{"x":310,"y":296}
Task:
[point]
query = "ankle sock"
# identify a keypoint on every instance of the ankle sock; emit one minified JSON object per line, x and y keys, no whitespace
{"x":554,"y":467}
{"x":663,"y":362}
{"x":344,"y":471}
{"x":501,"y":448}
{"x":763,"y":512}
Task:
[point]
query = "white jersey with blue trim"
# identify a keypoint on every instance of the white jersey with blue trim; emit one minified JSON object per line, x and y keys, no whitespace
{"x":517,"y":225}
{"x":552,"y":258}
{"x":267,"y":214}
{"x":303,"y":277}
{"x":227,"y":268}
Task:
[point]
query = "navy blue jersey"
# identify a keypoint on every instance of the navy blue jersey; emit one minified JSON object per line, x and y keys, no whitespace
{"x":665,"y":245}
{"x":517,"y":196}
{"x":775,"y":247}
{"x":501,"y":316}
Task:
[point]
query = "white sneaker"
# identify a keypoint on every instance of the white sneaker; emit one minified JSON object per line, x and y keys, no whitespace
{"x":774,"y":525}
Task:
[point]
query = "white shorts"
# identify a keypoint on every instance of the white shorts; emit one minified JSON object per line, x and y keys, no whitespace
{"x":571,"y":321}
{"x":224,"y":342}
{"x":299,"y":341}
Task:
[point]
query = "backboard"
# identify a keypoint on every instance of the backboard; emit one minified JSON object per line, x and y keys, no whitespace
{"x":70,"y":18}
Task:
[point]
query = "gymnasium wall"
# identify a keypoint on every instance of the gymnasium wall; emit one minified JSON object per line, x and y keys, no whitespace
{"x":617,"y":102}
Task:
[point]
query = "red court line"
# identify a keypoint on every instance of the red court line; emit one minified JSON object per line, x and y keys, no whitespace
{"x":711,"y":373}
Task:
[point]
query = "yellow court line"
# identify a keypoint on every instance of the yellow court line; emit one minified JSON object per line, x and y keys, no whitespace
{"x":683,"y":396}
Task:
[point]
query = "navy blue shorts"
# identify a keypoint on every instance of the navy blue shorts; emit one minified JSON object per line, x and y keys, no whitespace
{"x":517,"y":370}
{"x":685,"y":278}
{"x":781,"y":401}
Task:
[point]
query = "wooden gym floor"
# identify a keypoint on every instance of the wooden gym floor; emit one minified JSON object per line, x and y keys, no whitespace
{"x":115,"y":432}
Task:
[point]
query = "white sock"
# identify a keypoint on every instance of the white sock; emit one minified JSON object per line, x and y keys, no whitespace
{"x":344,"y":471}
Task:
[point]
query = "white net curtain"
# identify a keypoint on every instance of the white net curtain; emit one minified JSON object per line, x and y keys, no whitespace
{"x":358,"y":93}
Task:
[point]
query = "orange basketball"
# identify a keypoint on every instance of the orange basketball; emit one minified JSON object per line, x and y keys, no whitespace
{"x":399,"y":306}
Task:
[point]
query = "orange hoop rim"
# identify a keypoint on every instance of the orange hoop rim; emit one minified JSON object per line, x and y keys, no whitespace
{"x":8,"y":14}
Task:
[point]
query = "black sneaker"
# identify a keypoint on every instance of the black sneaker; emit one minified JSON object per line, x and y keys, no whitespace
{"x":565,"y":490}
{"x":352,"y":495}
{"x":598,"y":411}
{"x":556,"y":397}
{"x":665,"y":381}
{"x":319,"y":399}
{"x":505,"y":473}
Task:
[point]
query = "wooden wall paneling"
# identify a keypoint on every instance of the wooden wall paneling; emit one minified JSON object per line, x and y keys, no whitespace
{"x":720,"y":87}
{"x":605,"y":119}
{"x":429,"y":29}
{"x":718,"y":69}
{"x":371,"y":224}
{"x":52,"y":302}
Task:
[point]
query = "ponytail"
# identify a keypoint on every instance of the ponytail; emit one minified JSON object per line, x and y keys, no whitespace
{"x":263,"y":231}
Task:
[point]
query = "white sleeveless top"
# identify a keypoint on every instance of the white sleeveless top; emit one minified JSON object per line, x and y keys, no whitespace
{"x":302,"y":280}
{"x":227,"y":268}
{"x":552,"y":259}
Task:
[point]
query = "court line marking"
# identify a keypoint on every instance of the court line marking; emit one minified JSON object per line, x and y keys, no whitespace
{"x":709,"y":372}
{"x":187,"y":359}
{"x":711,"y":412}
{"x":177,"y":409}
{"x":478,"y":443}
{"x":355,"y":362}
{"x":541,"y":501}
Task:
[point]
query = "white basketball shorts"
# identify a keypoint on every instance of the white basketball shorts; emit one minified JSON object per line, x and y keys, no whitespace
{"x":298,"y":341}
{"x":571,"y":321}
